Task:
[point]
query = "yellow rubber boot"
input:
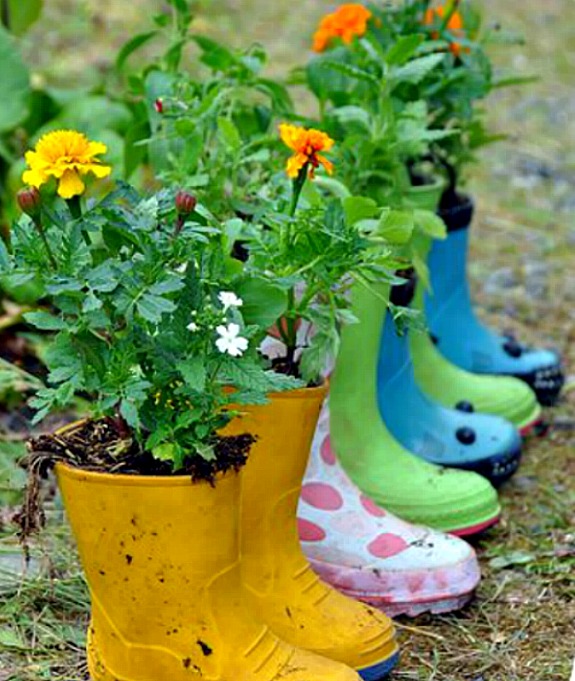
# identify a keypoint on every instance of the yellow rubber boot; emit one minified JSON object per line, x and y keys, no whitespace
{"x":161,"y":559}
{"x":284,"y":590}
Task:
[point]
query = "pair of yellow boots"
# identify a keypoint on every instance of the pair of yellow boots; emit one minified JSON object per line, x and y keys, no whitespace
{"x":193,"y":581}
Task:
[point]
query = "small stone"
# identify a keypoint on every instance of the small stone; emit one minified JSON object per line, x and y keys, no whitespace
{"x":500,"y":280}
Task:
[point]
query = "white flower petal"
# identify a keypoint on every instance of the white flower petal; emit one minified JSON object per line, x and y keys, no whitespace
{"x":222,"y":344}
{"x":229,"y":299}
{"x":222,"y":331}
{"x":233,"y":330}
{"x":242,"y":343}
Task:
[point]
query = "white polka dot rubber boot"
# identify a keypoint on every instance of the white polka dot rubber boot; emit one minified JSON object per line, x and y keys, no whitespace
{"x":370,"y":554}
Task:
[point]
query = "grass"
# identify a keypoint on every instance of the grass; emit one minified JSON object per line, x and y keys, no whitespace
{"x":520,"y":627}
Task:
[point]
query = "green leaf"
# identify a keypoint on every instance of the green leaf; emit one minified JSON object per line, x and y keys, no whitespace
{"x":333,"y":186}
{"x":403,"y":49}
{"x":358,"y":208}
{"x":206,"y":451}
{"x":430,"y":223}
{"x":215,"y":55}
{"x":165,"y":452}
{"x":132,"y":45}
{"x":396,"y":226}
{"x":23,"y":13}
{"x":91,"y":303}
{"x":416,"y":70}
{"x":352,"y":72}
{"x":130,"y":412}
{"x":194,"y":373}
{"x":508,"y":81}
{"x":511,"y":559}
{"x":348,"y":115}
{"x":229,"y":134}
{"x":264,"y":302}
{"x":4,"y":256}
{"x":45,"y":321}
{"x":94,"y":113}
{"x":15,"y":81}
{"x":170,"y":284}
{"x":179,"y":5}
{"x":153,"y":307}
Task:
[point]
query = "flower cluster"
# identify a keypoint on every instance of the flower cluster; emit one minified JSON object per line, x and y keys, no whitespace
{"x":229,"y":340}
{"x":347,"y":22}
{"x":65,"y":155}
{"x":307,"y":145}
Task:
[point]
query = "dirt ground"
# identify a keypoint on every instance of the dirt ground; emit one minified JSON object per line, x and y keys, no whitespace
{"x":521,"y":627}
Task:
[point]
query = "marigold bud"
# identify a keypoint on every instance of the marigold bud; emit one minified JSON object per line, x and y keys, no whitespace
{"x":159,"y":106}
{"x":30,"y":201}
{"x":185,"y":203}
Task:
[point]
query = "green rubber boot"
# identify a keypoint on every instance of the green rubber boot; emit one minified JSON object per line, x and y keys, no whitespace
{"x":456,"y":388}
{"x":454,"y":501}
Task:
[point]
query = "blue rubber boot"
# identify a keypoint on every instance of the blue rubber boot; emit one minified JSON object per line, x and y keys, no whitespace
{"x":486,"y":444}
{"x":458,"y":333}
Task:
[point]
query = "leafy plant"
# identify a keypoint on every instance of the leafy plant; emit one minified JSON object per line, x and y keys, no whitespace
{"x":463,"y":76}
{"x":145,"y":321}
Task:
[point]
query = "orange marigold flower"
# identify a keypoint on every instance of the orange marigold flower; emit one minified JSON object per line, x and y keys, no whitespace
{"x":307,"y":145}
{"x":347,"y":22}
{"x":455,"y":25}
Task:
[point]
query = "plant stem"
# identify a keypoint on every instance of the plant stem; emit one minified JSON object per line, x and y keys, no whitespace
{"x":291,"y":331}
{"x":40,"y":229}
{"x":75,"y":206}
{"x":297,"y":187}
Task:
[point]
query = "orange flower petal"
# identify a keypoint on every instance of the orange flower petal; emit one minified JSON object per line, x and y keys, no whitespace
{"x":328,"y":165}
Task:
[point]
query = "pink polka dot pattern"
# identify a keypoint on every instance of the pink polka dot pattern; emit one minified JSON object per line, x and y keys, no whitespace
{"x":387,"y":545}
{"x":322,"y":496}
{"x":309,"y":531}
{"x":371,"y":507}
{"x":326,"y":452}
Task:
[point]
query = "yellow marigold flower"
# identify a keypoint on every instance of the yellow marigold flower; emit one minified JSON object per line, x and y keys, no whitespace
{"x":347,"y":22}
{"x":306,"y":143}
{"x":65,"y":155}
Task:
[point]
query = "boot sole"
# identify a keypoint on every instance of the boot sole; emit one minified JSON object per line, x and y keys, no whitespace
{"x":414,"y":609}
{"x":476,"y":529}
{"x":545,"y":383}
{"x":497,"y":469}
{"x":380,"y":670}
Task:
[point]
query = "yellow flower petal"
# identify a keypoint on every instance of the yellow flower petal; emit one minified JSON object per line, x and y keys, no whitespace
{"x":97,"y":148}
{"x":96,"y":169}
{"x":295,"y":164}
{"x":65,"y":155}
{"x":70,"y":185}
{"x":34,"y":178}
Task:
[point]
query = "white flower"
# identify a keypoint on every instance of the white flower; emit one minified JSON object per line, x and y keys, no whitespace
{"x":192,"y":327}
{"x":230,"y":341}
{"x":229,"y":299}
